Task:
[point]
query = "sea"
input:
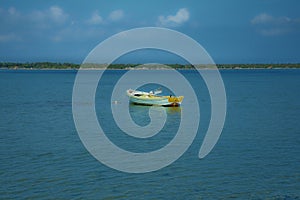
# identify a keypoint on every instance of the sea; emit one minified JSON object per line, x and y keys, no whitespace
{"x":256,"y":157}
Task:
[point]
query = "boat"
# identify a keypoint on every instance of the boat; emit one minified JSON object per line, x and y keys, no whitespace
{"x":152,"y":98}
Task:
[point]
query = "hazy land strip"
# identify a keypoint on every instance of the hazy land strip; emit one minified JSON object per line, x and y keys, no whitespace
{"x":64,"y":66}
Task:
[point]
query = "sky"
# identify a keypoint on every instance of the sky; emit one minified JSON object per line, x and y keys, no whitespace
{"x":231,"y":31}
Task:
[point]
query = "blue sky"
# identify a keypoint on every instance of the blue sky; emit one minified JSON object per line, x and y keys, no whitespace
{"x":232,"y":31}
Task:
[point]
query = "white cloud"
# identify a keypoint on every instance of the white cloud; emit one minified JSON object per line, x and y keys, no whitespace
{"x":116,"y":15}
{"x":262,"y":18}
{"x":179,"y":18}
{"x":57,"y":14}
{"x":32,"y":25}
{"x":268,"y":25}
{"x":53,"y":14}
{"x":95,"y":19}
{"x":265,"y":18}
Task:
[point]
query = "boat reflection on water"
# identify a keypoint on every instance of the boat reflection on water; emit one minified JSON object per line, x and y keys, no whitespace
{"x":173,"y":110}
{"x":140,"y":113}
{"x":135,"y":108}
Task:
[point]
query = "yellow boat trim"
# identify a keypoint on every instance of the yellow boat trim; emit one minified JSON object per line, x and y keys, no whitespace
{"x":175,"y":99}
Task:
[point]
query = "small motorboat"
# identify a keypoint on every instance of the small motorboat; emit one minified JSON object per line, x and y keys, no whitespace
{"x":152,"y":98}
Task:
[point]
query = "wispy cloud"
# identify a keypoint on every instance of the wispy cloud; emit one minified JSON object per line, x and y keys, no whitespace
{"x":95,"y":19}
{"x":32,"y":25}
{"x":178,"y":19}
{"x":116,"y":15}
{"x":53,"y":24}
{"x":57,"y":14}
{"x":269,"y":25}
{"x":265,"y":18}
{"x":53,"y":14}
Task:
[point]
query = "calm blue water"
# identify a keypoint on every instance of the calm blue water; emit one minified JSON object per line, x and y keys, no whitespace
{"x":257,"y":156}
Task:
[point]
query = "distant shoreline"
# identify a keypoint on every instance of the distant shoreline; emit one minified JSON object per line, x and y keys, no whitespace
{"x":91,"y":66}
{"x":96,"y":69}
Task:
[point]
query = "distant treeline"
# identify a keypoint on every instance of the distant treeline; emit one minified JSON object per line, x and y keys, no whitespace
{"x":38,"y":65}
{"x":51,"y":65}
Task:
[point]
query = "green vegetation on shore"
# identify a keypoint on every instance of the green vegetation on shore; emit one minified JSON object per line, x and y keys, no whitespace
{"x":38,"y":65}
{"x":51,"y":65}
